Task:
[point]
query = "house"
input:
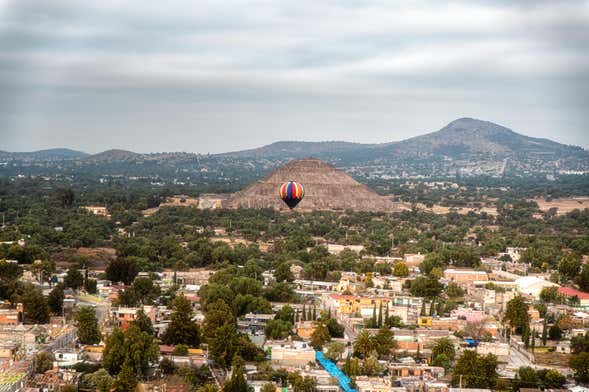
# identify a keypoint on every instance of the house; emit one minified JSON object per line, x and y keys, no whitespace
{"x":373,"y":384}
{"x":572,"y":293}
{"x":291,"y":353}
{"x":349,"y":305}
{"x":123,"y":316}
{"x":305,"y":329}
{"x":413,"y":259}
{"x":532,"y":285}
{"x":500,"y":350}
{"x":11,"y":316}
{"x":465,"y":275}
{"x":563,"y":346}
{"x":67,"y":357}
{"x":97,"y":210}
{"x":336,"y":249}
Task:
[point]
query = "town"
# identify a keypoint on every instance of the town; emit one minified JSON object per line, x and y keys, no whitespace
{"x":212,"y":297}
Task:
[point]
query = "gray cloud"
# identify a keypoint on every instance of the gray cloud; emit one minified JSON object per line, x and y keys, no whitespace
{"x":215,"y":76}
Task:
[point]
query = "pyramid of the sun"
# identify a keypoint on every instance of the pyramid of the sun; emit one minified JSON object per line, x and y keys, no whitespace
{"x":326,"y":188}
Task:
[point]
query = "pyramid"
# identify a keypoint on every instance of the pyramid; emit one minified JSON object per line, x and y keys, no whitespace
{"x":326,"y":188}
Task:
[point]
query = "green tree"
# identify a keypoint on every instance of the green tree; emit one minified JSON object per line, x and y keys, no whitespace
{"x":88,"y":330}
{"x":444,"y":346}
{"x":42,"y":362}
{"x":278,"y":329}
{"x":579,"y":363}
{"x":476,"y":371}
{"x":286,"y":313}
{"x":182,"y":330}
{"x":122,"y":269}
{"x":237,"y":381}
{"x":335,"y":350}
{"x":126,"y":381}
{"x":282,"y":273}
{"x":113,"y":356}
{"x":385,"y":343}
{"x":74,"y":279}
{"x":364,"y":344}
{"x":100,"y":380}
{"x":320,"y":336}
{"x":400,"y":269}
{"x":35,"y":307}
{"x":143,"y":322}
{"x":569,"y":266}
{"x":55,"y":300}
{"x":517,"y":313}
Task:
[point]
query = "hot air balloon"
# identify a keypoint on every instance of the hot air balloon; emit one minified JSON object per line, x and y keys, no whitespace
{"x":292,"y":193}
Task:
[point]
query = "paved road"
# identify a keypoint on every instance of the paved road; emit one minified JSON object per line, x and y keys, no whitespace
{"x":517,"y":359}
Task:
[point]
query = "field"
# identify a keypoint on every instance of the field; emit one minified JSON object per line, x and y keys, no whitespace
{"x":563,"y":205}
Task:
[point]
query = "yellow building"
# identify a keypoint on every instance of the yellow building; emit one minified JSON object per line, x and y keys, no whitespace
{"x":348,"y":305}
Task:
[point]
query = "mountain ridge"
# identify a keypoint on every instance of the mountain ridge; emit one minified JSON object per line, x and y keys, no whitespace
{"x":465,"y":146}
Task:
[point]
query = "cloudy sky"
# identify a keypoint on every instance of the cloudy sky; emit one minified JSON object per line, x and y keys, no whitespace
{"x":213,"y":76}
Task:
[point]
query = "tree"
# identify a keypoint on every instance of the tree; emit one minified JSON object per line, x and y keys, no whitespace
{"x":385,"y":343}
{"x":143,"y":322}
{"x":444,"y":346}
{"x":336,"y":330}
{"x":42,"y":362}
{"x":88,"y":330}
{"x":135,"y":347}
{"x":475,"y":371}
{"x":554,"y":332}
{"x":282,"y":273}
{"x":364,"y":345}
{"x":145,"y":290}
{"x":549,"y":294}
{"x":286,"y":313}
{"x":278,"y":329}
{"x":35,"y":307}
{"x":320,"y":336}
{"x":182,"y":330}
{"x":454,"y":291}
{"x":122,"y":269}
{"x":74,"y":279}
{"x":180,"y":349}
{"x":335,"y":350}
{"x":100,"y":379}
{"x":579,"y":363}
{"x":237,"y":381}
{"x":55,"y":300}
{"x":220,"y":332}
{"x":126,"y":380}
{"x":91,"y":286}
{"x":517,"y":313}
{"x":400,"y":269}
{"x":268,"y":387}
{"x":113,"y":356}
{"x":569,"y":266}
{"x":425,"y":286}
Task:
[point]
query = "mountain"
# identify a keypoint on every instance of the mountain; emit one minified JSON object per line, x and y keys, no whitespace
{"x":465,"y":147}
{"x":114,"y":155}
{"x":326,"y":188}
{"x":54,"y":154}
{"x":294,"y":149}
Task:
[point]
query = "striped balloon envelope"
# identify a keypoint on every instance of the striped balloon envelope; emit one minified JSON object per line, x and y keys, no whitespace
{"x":292,"y":193}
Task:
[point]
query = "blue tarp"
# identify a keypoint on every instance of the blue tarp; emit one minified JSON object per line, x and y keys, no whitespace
{"x":334,"y":371}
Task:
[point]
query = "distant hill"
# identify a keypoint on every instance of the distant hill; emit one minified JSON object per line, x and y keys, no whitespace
{"x":53,"y":154}
{"x":294,"y":149}
{"x":326,"y":188}
{"x":465,"y":147}
{"x":114,"y":155}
